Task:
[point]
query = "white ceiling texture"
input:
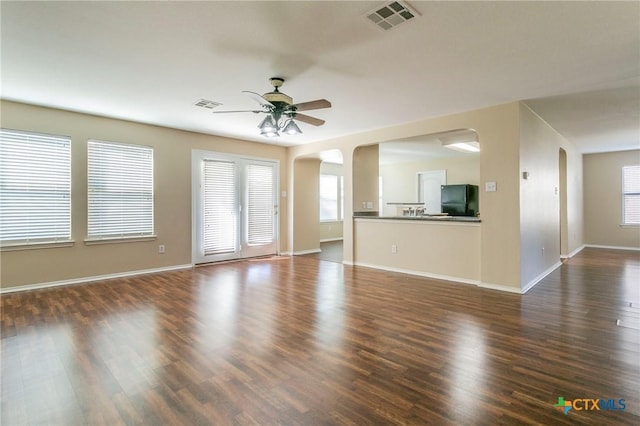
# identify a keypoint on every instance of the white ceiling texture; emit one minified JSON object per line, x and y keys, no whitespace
{"x":577,"y":64}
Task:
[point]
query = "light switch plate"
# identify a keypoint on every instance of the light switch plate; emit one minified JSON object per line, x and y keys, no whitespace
{"x":490,"y":186}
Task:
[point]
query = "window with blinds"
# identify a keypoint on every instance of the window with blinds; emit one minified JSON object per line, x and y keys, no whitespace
{"x":328,"y":197}
{"x":260,"y":208}
{"x":120,"y":190}
{"x":631,"y":195}
{"x":35,"y":188}
{"x":220,"y":204}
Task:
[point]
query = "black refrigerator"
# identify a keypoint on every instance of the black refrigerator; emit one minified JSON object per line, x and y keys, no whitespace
{"x":459,"y":200}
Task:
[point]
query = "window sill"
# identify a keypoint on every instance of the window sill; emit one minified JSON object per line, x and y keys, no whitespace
{"x":115,"y":240}
{"x":37,"y":246}
{"x":630,"y":225}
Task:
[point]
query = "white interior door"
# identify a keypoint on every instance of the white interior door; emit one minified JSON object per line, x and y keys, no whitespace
{"x":234,"y":207}
{"x":429,"y":184}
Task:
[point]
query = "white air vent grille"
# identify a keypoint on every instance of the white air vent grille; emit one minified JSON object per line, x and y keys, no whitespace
{"x":204,"y":103}
{"x":391,"y":15}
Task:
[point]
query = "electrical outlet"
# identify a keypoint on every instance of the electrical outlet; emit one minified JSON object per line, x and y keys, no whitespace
{"x":161,"y":248}
{"x":394,"y":248}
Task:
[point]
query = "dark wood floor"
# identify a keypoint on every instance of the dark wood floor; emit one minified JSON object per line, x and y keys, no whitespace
{"x":304,"y":341}
{"x":331,"y":251}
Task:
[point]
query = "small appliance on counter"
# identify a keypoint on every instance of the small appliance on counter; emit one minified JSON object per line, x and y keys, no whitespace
{"x":459,"y":200}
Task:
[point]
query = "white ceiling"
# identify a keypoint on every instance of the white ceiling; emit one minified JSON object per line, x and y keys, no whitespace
{"x":575,"y":63}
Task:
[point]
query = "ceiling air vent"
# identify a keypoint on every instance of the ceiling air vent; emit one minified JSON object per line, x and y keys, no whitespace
{"x":391,"y":15}
{"x":204,"y":103}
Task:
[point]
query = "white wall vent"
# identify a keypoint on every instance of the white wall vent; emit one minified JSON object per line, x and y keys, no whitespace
{"x":204,"y":103}
{"x":390,"y":15}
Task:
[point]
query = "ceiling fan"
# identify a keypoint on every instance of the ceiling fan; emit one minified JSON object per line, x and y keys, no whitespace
{"x":281,"y":111}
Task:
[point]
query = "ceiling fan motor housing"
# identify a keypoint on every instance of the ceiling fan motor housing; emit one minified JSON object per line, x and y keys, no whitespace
{"x":280,"y":100}
{"x":277,"y":97}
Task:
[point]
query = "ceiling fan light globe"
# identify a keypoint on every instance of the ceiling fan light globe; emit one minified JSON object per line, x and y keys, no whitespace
{"x":267,"y":125}
{"x":269,"y":133}
{"x":292,"y":128}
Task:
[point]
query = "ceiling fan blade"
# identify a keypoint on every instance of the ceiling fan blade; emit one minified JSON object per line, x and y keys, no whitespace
{"x":309,"y":120}
{"x":258,"y":98}
{"x":317,"y":104}
{"x":249,"y":110}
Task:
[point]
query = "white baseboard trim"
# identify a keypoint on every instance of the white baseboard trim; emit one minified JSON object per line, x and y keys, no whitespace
{"x":286,"y":253}
{"x":418,"y":273}
{"x":612,"y":247}
{"x":310,"y":251}
{"x":327,"y":240}
{"x":540,"y":277}
{"x":85,"y":280}
{"x":348,"y":262}
{"x":573,"y":253}
{"x":500,"y":287}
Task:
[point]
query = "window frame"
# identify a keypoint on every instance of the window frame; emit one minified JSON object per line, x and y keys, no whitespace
{"x":63,"y":178}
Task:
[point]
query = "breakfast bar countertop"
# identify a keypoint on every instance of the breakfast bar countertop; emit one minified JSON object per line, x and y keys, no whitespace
{"x":435,"y":218}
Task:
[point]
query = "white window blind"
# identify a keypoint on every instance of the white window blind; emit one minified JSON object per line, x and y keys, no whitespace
{"x":220,"y":204}
{"x":631,"y":195}
{"x":260,"y":208}
{"x":120,"y":190}
{"x":35,"y":188}
{"x":328,"y":197}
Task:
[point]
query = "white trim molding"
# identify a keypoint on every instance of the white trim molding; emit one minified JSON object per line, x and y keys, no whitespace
{"x":418,"y":273}
{"x":540,"y":277}
{"x":85,"y":280}
{"x":612,"y":247}
{"x":310,"y":251}
{"x":573,"y":253}
{"x":327,"y":240}
{"x":500,"y":287}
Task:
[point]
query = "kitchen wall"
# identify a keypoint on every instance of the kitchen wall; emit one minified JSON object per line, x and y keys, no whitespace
{"x":603,"y":200}
{"x":400,"y":180}
{"x":540,"y":196}
{"x":172,"y":176}
{"x":498,"y":131}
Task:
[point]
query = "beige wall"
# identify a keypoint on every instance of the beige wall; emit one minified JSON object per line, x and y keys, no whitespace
{"x":331,"y":231}
{"x":540,"y":196}
{"x":498,"y":131}
{"x":365,"y":178}
{"x":306,"y":197}
{"x":172,"y":175}
{"x":438,"y":249}
{"x":603,"y":200}
{"x":400,"y":180}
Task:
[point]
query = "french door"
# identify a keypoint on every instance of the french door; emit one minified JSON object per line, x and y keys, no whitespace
{"x":235,"y":207}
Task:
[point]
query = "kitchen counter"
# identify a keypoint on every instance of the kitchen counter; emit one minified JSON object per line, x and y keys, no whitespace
{"x":421,"y":218}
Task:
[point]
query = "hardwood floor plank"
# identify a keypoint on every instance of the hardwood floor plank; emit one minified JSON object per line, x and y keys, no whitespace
{"x":302,"y":341}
